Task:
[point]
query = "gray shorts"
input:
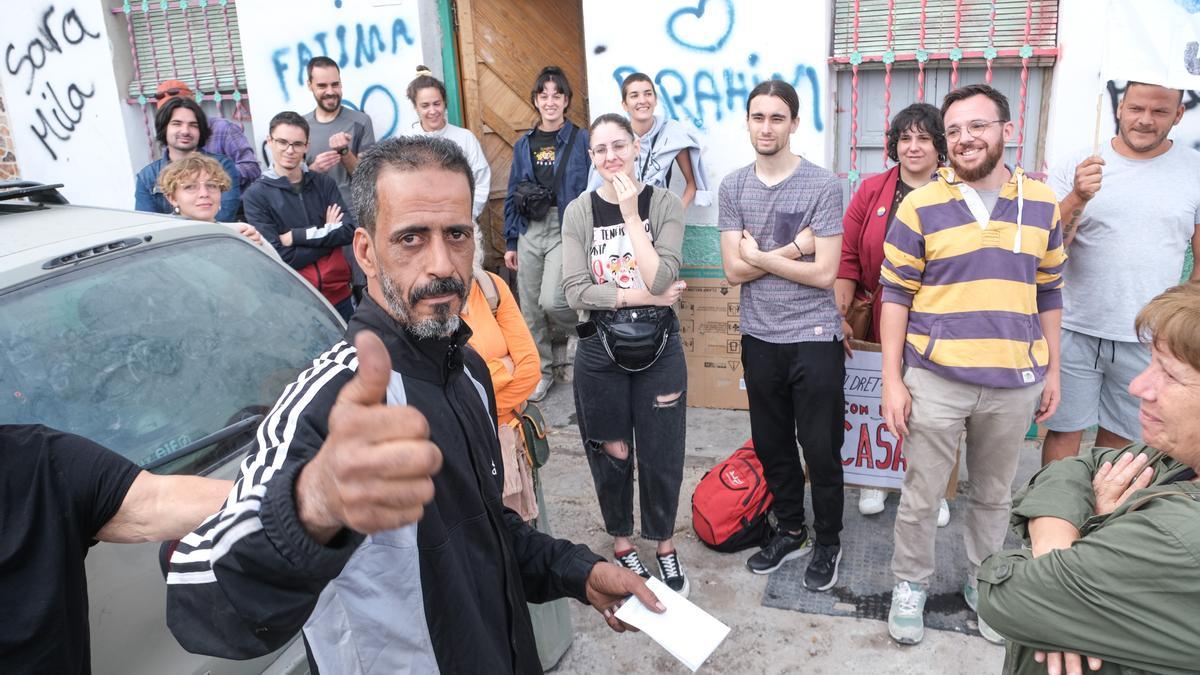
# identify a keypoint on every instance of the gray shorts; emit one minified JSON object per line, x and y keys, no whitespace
{"x":1095,"y":385}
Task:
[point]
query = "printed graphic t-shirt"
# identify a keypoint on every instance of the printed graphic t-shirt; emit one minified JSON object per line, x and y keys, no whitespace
{"x":58,"y":491}
{"x":611,"y":258}
{"x":541,"y":146}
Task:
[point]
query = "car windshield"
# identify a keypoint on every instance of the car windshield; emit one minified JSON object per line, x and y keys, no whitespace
{"x":150,"y":352}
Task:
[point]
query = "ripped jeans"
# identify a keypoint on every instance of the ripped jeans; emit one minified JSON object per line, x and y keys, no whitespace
{"x":647,"y":411}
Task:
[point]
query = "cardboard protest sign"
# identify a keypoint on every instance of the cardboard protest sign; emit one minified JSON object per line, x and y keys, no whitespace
{"x":871,"y":455}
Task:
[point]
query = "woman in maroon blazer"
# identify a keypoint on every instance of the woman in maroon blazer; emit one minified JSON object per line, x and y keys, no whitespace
{"x":917,"y":142}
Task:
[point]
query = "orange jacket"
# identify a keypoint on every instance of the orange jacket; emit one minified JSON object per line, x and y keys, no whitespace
{"x":504,"y":334}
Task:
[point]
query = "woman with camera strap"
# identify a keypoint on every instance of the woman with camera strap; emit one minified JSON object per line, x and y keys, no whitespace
{"x":621,"y":255}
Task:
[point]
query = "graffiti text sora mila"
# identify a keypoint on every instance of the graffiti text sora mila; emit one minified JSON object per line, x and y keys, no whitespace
{"x":61,"y":109}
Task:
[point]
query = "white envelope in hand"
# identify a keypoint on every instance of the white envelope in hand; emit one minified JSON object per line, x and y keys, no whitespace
{"x":689,"y":633}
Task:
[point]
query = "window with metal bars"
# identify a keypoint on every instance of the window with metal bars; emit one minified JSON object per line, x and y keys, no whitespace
{"x":938,"y":27}
{"x":195,"y":41}
{"x":1016,"y":37}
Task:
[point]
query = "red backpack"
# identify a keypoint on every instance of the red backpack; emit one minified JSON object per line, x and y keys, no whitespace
{"x":731,"y":503}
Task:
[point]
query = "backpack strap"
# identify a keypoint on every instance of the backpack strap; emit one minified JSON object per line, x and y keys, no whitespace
{"x":488,"y":285}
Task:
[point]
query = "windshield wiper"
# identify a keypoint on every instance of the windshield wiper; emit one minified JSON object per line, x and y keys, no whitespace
{"x":238,"y":427}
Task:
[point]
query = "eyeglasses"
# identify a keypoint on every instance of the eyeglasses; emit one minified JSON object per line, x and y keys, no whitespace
{"x":193,"y":188}
{"x":173,"y":91}
{"x":617,"y":147}
{"x":975,"y":128}
{"x":282,"y":144}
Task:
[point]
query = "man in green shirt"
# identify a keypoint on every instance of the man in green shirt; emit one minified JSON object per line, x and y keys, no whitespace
{"x":1111,"y":581}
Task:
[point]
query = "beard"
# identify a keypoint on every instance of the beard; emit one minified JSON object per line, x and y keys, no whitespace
{"x":329,"y":104}
{"x":442,"y":324}
{"x":1147,"y":147}
{"x":991,"y":158}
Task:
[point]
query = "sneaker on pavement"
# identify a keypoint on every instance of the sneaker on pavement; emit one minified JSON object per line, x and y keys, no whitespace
{"x":906,"y":620}
{"x":780,"y":549}
{"x":988,"y":632}
{"x":672,"y":573}
{"x":630,"y":561}
{"x":971,"y":595}
{"x":543,"y":388}
{"x":822,"y":571}
{"x":870,"y":501}
{"x":943,"y":514}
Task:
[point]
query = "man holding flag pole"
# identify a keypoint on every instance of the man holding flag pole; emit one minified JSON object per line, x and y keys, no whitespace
{"x":1129,"y":209}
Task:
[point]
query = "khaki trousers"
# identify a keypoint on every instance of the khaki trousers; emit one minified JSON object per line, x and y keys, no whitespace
{"x":539,"y":286}
{"x":995,"y":421}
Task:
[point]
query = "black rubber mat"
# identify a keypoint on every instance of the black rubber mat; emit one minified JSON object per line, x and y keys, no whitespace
{"x":864,"y":585}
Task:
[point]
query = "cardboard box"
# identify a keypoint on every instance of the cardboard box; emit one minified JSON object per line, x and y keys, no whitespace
{"x":712,"y":340}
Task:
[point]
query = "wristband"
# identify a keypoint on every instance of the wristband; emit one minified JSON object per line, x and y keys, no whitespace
{"x":797,"y":247}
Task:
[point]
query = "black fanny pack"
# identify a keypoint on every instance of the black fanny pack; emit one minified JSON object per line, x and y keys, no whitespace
{"x":532,"y":199}
{"x":634,"y":338}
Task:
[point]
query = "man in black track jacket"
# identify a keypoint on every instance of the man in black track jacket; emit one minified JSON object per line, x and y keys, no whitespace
{"x":325,"y":530}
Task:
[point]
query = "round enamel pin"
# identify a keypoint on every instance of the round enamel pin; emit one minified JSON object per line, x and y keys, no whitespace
{"x":880,"y":211}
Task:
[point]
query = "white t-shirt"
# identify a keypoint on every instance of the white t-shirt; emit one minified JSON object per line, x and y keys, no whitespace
{"x":1132,"y":237}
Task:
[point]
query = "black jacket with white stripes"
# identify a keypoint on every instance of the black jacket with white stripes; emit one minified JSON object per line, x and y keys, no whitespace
{"x":447,"y":594}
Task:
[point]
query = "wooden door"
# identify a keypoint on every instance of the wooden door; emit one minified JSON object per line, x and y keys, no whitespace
{"x":502,"y":46}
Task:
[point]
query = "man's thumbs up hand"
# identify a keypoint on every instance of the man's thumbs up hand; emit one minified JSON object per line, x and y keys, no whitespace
{"x":374,"y":471}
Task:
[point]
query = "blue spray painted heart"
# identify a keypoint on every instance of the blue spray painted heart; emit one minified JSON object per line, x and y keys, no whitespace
{"x":697,"y":13}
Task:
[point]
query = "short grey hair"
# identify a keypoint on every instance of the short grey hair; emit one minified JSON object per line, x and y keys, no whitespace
{"x":405,"y":153}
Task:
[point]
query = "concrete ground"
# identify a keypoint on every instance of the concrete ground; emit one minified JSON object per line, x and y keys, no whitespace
{"x":762,"y":640}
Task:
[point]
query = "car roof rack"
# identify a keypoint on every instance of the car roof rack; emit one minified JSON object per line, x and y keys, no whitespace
{"x":38,"y":193}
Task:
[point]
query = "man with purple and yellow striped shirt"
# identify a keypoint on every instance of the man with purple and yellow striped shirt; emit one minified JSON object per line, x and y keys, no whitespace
{"x":970,"y":327}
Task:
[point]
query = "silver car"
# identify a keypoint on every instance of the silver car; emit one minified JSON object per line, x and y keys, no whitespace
{"x":166,"y":340}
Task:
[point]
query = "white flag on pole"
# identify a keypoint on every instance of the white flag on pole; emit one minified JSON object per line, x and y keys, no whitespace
{"x":1154,"y":41}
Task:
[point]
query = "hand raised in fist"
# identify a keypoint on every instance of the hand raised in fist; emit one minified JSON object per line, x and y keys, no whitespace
{"x":374,"y":471}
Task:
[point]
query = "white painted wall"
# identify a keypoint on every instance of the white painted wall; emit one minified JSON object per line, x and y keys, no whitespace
{"x":705,"y":57}
{"x":64,"y":102}
{"x":276,"y":46}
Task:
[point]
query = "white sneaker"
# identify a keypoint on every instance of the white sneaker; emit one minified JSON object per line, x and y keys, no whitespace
{"x":870,"y":501}
{"x":971,"y":595}
{"x":543,"y":388}
{"x":943,"y":514}
{"x":906,"y":620}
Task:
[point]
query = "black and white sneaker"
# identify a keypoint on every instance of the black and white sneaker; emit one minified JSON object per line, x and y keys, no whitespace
{"x":672,"y":573}
{"x":630,"y":561}
{"x":779,"y":550}
{"x":822,"y":571}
